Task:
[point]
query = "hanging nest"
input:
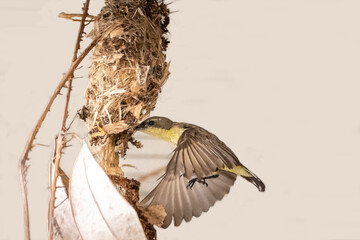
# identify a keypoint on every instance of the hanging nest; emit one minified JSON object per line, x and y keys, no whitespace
{"x":127,"y":72}
{"x":126,"y":75}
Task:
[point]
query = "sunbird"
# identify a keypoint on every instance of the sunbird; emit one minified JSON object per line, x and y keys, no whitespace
{"x":200,"y":172}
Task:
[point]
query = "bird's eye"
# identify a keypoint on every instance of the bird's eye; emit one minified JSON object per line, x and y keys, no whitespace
{"x":151,"y":123}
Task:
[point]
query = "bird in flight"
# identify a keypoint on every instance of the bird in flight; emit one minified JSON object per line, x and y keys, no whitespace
{"x":201,"y":170}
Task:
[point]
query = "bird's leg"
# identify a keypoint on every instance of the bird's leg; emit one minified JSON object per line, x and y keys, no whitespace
{"x":191,"y":183}
{"x":202,"y":180}
{"x":212,"y":176}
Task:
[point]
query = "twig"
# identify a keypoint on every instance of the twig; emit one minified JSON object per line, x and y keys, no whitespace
{"x":77,"y":47}
{"x":74,"y":16}
{"x":58,"y":146}
{"x":22,"y":168}
{"x":24,"y":157}
{"x":60,"y":143}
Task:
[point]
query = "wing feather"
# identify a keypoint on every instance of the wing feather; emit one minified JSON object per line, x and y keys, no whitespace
{"x":203,"y":169}
{"x":195,"y":156}
{"x":196,"y":165}
{"x":188,"y":165}
{"x":216,"y":159}
{"x":205,"y":156}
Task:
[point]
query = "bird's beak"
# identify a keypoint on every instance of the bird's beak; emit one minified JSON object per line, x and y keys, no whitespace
{"x":140,"y":126}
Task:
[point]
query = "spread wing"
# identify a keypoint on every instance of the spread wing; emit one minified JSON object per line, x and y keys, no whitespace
{"x":198,"y":154}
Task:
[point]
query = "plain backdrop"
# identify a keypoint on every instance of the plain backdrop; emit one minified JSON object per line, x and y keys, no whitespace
{"x":278,"y":81}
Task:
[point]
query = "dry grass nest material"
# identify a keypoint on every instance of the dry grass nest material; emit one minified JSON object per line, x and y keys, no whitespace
{"x":128,"y":67}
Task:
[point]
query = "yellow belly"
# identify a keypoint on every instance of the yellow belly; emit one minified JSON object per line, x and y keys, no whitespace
{"x":172,"y":135}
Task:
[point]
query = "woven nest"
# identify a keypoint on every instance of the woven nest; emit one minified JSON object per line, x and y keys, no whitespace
{"x":128,"y":68}
{"x":126,"y":75}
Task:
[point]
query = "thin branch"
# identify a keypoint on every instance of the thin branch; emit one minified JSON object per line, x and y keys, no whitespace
{"x":58,"y":146}
{"x":60,"y":143}
{"x":24,"y":157}
{"x":77,"y":47}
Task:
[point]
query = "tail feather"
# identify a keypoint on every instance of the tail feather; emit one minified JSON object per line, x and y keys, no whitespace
{"x":242,"y":171}
{"x":257,"y":182}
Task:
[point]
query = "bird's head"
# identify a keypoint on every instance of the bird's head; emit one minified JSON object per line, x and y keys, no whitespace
{"x":155,"y":123}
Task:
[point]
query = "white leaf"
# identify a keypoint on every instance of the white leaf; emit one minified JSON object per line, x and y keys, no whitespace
{"x":64,"y":225}
{"x":99,"y":210}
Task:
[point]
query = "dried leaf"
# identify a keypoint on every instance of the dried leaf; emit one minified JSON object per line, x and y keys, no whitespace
{"x":155,"y":214}
{"x":135,"y":87}
{"x":64,"y":225}
{"x":136,"y":110}
{"x":116,"y":32}
{"x":114,"y":128}
{"x":99,"y":210}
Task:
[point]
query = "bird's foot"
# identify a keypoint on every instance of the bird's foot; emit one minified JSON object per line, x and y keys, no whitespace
{"x":194,"y":180}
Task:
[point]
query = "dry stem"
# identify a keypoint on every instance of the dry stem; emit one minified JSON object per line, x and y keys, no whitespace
{"x":74,"y":17}
{"x":22,"y":168}
{"x":58,"y":146}
{"x":77,"y":47}
{"x":60,"y":141}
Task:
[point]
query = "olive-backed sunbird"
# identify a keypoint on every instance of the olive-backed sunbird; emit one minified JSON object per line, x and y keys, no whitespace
{"x":201,"y":170}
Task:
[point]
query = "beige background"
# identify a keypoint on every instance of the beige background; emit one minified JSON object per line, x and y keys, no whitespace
{"x":278,"y":81}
